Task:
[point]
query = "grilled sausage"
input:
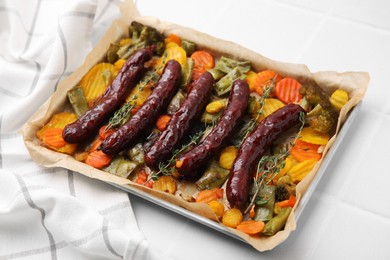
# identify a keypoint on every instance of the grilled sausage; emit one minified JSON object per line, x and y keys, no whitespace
{"x":181,"y":121}
{"x":190,"y":162}
{"x":146,"y":116}
{"x":254,"y":147}
{"x":112,"y":97}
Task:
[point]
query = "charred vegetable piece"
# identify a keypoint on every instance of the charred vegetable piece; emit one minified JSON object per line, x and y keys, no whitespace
{"x":137,"y":154}
{"x":77,"y":100}
{"x":227,"y":64}
{"x":119,"y":166}
{"x":176,"y":102}
{"x":112,"y":55}
{"x":141,"y":37}
{"x":323,"y":117}
{"x":265,"y":202}
{"x":188,"y":46}
{"x":277,"y":223}
{"x":224,"y":85}
{"x":186,"y":73}
{"x":281,"y":193}
{"x":213,"y":177}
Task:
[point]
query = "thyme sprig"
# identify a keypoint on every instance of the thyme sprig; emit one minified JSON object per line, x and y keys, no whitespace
{"x":122,"y":115}
{"x":167,"y":168}
{"x":268,"y":89}
{"x":270,"y":165}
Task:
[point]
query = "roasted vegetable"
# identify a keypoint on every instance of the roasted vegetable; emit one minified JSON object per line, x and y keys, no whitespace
{"x":277,"y":222}
{"x":232,"y":217}
{"x":227,"y":64}
{"x":141,"y":37}
{"x":281,"y":193}
{"x":265,"y":202}
{"x":77,"y":100}
{"x":323,"y":117}
{"x":136,"y":154}
{"x":188,"y":46}
{"x":176,"y":102}
{"x":186,"y":72}
{"x":121,"y":167}
{"x":339,"y":98}
{"x":213,"y":177}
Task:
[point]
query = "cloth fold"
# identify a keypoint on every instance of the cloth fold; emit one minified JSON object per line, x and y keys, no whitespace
{"x":54,"y":213}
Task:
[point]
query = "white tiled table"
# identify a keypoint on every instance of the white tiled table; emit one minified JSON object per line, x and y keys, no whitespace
{"x":348,"y":216}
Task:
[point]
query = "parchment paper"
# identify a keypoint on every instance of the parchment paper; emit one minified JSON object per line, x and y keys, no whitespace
{"x":355,"y":83}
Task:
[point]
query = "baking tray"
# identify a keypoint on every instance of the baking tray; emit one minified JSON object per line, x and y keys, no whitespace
{"x":299,"y":209}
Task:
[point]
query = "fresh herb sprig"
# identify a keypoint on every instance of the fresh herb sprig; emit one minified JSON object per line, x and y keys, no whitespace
{"x":122,"y":115}
{"x":168,"y":167}
{"x":270,"y":165}
{"x":268,"y":89}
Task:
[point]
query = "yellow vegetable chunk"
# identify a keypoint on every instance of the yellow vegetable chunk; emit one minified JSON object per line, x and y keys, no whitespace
{"x":217,"y":207}
{"x":232,"y":217}
{"x":118,"y":65}
{"x":252,"y":79}
{"x":51,"y":140}
{"x":289,"y":162}
{"x":270,"y":106}
{"x":165,"y":184}
{"x":227,"y":157}
{"x":172,"y":52}
{"x":95,"y":82}
{"x":339,"y":98}
{"x":299,"y":171}
{"x":309,"y":135}
{"x":215,"y":106}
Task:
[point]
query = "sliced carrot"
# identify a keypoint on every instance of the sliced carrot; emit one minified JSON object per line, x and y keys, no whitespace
{"x":218,"y":192}
{"x":303,"y":151}
{"x":95,"y":145}
{"x":251,"y":227}
{"x":173,"y":38}
{"x":287,"y":203}
{"x":53,"y":137}
{"x":98,"y":159}
{"x":252,"y":212}
{"x":103,"y":133}
{"x":162,"y":122}
{"x":203,"y":61}
{"x":206,"y":196}
{"x":264,"y":78}
{"x":287,"y":90}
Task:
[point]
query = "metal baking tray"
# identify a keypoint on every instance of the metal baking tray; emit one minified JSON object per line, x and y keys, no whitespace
{"x":298,"y":211}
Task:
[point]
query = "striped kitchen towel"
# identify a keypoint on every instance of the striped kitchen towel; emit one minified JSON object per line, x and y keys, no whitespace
{"x":54,"y":213}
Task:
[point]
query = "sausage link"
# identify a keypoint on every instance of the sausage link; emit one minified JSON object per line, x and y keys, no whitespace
{"x":254,"y":147}
{"x":112,"y":97}
{"x":181,"y":121}
{"x":191,"y":162}
{"x":147,"y":115}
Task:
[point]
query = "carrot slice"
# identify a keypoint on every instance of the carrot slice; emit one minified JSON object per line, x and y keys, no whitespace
{"x":162,"y":122}
{"x":53,"y":137}
{"x":103,"y":133}
{"x":218,"y":192}
{"x":251,"y":227}
{"x":287,"y":90}
{"x":290,"y":202}
{"x":206,"y":196}
{"x":303,"y":151}
{"x":203,"y":61}
{"x":172,"y":38}
{"x":98,"y":159}
{"x":95,"y":145}
{"x":264,"y":78}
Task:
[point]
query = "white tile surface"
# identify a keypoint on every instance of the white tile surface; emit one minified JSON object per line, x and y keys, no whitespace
{"x":348,"y":216}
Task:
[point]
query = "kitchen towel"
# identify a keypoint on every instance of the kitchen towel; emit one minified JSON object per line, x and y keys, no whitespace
{"x":54,"y":213}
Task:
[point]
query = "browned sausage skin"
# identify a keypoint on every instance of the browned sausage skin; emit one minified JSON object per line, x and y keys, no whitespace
{"x":112,"y":97}
{"x":138,"y":125}
{"x":181,"y":121}
{"x":254,"y":147}
{"x":192,"y":161}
